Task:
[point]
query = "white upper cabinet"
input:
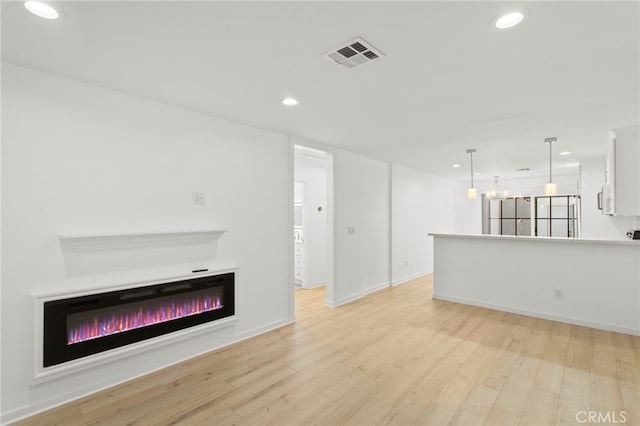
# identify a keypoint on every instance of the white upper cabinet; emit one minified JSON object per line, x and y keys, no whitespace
{"x":622,"y":174}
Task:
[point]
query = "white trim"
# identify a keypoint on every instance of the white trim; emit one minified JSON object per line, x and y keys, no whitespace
{"x":332,"y":231}
{"x":344,"y":300}
{"x":66,"y":293}
{"x":407,"y":278}
{"x":258,"y":331}
{"x":31,"y":410}
{"x":536,"y":314}
{"x":89,"y":242}
{"x":359,"y":295}
{"x":376,"y":288}
{"x":318,"y":284}
{"x":390,"y":243}
{"x":43,"y":374}
{"x":293,"y":284}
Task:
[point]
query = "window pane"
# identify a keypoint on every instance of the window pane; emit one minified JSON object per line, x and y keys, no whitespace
{"x":541,"y":228}
{"x":509,"y":208}
{"x":573,"y":207}
{"x":494,"y":226}
{"x":494,"y":209}
{"x":524,"y":227}
{"x":559,"y":207}
{"x":559,"y":212}
{"x":559,"y":228}
{"x":524,"y":207}
{"x":543,"y":206}
{"x":508,"y":227}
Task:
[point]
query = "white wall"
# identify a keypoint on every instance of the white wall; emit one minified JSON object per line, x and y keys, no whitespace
{"x":594,"y":223}
{"x":313,"y":172}
{"x":78,"y":158}
{"x":424,"y":203}
{"x":362,"y":201}
{"x":598,"y":280}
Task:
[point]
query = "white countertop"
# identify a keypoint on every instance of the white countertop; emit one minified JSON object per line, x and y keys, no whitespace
{"x":539,"y":239}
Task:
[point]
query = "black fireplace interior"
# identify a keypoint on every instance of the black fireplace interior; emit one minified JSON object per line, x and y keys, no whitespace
{"x":82,"y":326}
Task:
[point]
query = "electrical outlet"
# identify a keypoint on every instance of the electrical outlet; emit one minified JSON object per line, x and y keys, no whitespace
{"x":558,"y":294}
{"x":198,"y":198}
{"x":406,"y":264}
{"x":351,"y":229}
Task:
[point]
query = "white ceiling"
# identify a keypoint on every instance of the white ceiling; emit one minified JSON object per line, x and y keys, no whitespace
{"x":448,"y":81}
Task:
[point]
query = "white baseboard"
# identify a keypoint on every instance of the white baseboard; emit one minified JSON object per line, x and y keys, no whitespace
{"x":407,"y":278}
{"x":258,"y":331}
{"x":375,"y":288}
{"x":31,"y":410}
{"x":358,"y":295}
{"x":543,"y":315}
{"x":344,"y":300}
{"x":318,"y":284}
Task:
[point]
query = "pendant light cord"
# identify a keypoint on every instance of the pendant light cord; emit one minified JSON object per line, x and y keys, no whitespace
{"x":550,"y":176}
{"x":550,"y":141}
{"x":471,"y":154}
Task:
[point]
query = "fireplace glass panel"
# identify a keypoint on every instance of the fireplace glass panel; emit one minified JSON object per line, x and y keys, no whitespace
{"x":107,"y":321}
{"x":85,"y":325}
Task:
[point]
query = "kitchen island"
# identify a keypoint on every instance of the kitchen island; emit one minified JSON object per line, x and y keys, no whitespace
{"x":594,"y":283}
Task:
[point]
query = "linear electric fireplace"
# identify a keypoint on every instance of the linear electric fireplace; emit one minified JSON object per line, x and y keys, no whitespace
{"x":80,"y":326}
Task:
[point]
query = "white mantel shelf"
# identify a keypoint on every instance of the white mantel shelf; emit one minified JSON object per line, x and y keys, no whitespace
{"x":537,"y":239}
{"x":91,"y":242}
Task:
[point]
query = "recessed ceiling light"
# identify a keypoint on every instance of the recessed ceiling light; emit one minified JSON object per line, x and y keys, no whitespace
{"x":572,"y":164}
{"x":565,"y":153}
{"x":476,"y":174}
{"x":290,"y":101}
{"x":42,"y":10}
{"x":509,"y":20}
{"x":455,"y":166}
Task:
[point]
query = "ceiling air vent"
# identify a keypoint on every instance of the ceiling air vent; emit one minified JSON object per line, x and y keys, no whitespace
{"x":354,"y":53}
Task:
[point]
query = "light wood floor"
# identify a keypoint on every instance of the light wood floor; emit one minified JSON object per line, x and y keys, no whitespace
{"x":395,"y":357}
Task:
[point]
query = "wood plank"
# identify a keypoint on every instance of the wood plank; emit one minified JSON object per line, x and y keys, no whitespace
{"x":540,"y":408}
{"x":373,"y":412}
{"x":500,"y":418}
{"x":435,"y":415}
{"x":574,"y":395}
{"x":476,"y":407}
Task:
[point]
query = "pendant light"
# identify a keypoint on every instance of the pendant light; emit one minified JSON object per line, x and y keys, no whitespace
{"x":494,"y":191}
{"x":550,"y":188}
{"x":472,"y":193}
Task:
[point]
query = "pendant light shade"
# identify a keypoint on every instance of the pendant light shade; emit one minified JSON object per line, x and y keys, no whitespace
{"x":550,"y":187}
{"x":472,"y":193}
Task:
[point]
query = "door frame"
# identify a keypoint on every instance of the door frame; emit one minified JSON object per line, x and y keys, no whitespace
{"x":293,"y":142}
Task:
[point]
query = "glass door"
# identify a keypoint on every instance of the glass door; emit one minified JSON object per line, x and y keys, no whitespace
{"x":557,"y":216}
{"x":510,"y":216}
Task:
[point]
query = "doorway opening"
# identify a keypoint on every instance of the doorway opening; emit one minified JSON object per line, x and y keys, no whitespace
{"x":312,"y":223}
